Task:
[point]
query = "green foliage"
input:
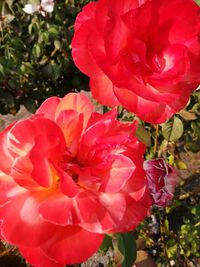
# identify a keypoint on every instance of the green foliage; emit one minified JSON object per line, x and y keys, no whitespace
{"x":143,"y":135}
{"x":172,"y":130}
{"x":125,"y":249}
{"x":176,"y":233}
{"x":198,"y":2}
{"x":107,"y":243}
{"x":186,"y":241}
{"x":191,"y":136}
{"x":175,"y":236}
{"x":35,"y":55}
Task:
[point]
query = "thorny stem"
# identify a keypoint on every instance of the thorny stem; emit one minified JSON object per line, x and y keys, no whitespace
{"x":75,"y":265}
{"x":189,"y":194}
{"x":6,"y":252}
{"x":52,"y":54}
{"x":156,"y":139}
{"x":162,"y":234}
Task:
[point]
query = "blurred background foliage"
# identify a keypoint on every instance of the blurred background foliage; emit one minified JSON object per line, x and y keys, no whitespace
{"x":35,"y":58}
{"x":36,"y":63}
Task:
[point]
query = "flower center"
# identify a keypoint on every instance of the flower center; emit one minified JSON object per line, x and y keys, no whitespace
{"x":72,"y":166}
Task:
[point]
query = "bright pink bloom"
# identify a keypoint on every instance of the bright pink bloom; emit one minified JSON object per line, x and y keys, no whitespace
{"x":67,"y":176}
{"x":162,"y":180}
{"x":141,"y":54}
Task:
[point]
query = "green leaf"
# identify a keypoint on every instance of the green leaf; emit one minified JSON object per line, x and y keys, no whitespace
{"x":34,"y":2}
{"x":198,"y":2}
{"x":127,"y":246}
{"x":172,"y":250}
{"x":180,"y":164}
{"x":143,"y":135}
{"x":1,"y":69}
{"x":4,"y":9}
{"x":43,"y":37}
{"x":13,"y":83}
{"x":171,"y":159}
{"x":105,"y":109}
{"x":30,"y":105}
{"x":172,"y":130}
{"x":196,"y":109}
{"x":9,"y":2}
{"x":11,"y":261}
{"x":9,"y":18}
{"x":53,"y":31}
{"x":27,"y":68}
{"x":6,"y":98}
{"x":166,"y":226}
{"x":196,"y":210}
{"x":195,"y":125}
{"x":107,"y":243}
{"x":36,"y":51}
{"x":52,"y":70}
{"x":57,"y":44}
{"x":30,"y":28}
{"x":197,"y":93}
{"x":194,"y":146}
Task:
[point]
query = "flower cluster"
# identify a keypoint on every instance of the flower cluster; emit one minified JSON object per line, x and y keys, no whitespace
{"x":46,"y":6}
{"x":68,"y":175}
{"x":140,"y":54}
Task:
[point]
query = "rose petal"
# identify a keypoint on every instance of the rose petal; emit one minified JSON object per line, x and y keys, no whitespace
{"x":77,"y":102}
{"x":86,"y":14}
{"x":143,"y":108}
{"x":28,"y":228}
{"x":57,"y":209}
{"x":6,"y":156}
{"x":71,"y":124}
{"x":48,"y":107}
{"x":70,"y":237}
{"x":102,"y":90}
{"x":36,"y":257}
{"x":81,"y":56}
{"x":118,"y":170}
{"x":30,"y":9}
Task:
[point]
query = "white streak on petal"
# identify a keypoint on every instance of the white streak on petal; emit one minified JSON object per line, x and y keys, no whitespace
{"x":12,"y":147}
{"x":29,"y":211}
{"x":16,"y":191}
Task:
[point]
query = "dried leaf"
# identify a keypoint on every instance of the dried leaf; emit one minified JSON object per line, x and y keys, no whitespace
{"x":144,"y":260}
{"x":186,"y":115}
{"x":143,"y":135}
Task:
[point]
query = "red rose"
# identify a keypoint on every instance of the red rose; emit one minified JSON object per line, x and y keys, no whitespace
{"x":161,"y":179}
{"x":69,"y":175}
{"x":141,"y":54}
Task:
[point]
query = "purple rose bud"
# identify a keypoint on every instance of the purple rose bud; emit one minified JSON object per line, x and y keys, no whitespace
{"x":161,"y":179}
